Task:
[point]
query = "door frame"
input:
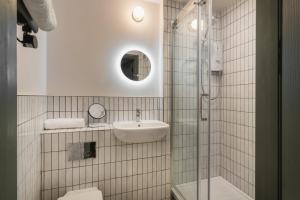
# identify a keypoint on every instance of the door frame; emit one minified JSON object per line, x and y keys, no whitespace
{"x":268,"y":100}
{"x":8,"y":100}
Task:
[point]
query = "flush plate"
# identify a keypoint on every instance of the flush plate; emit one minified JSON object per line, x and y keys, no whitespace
{"x":81,"y":151}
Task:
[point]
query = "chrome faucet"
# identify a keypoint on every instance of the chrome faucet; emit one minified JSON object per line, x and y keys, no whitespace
{"x":138,"y":115}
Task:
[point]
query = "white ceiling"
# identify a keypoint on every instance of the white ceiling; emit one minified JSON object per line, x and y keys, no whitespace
{"x":219,"y":5}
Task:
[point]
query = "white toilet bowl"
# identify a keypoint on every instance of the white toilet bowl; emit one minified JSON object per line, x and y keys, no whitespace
{"x":85,"y":194}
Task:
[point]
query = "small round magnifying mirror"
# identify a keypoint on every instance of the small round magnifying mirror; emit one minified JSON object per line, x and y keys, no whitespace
{"x":136,"y":65}
{"x":97,"y":111}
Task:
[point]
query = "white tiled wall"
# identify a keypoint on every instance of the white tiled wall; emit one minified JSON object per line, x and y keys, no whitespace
{"x":32,"y":111}
{"x":117,"y":108}
{"x":120,"y":171}
{"x":215,"y":101}
{"x":171,"y":9}
{"x":183,"y":128}
{"x":233,"y":113}
{"x":238,"y":95}
{"x":182,"y":45}
{"x":129,"y":165}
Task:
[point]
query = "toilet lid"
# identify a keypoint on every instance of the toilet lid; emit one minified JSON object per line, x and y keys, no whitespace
{"x":90,"y":194}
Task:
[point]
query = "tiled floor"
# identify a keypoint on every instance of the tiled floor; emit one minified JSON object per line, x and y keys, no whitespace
{"x":220,"y":190}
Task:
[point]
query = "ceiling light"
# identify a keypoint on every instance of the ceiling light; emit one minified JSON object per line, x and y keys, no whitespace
{"x":138,"y":14}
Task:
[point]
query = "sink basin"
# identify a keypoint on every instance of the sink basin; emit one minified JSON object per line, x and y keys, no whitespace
{"x":140,"y":132}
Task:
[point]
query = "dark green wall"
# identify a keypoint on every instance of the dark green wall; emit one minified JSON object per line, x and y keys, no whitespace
{"x":267,"y":100}
{"x":8,"y":104}
{"x":278,"y":100}
{"x":291,"y":100}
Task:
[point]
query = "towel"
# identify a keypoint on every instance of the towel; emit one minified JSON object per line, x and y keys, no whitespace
{"x":42,"y":12}
{"x":63,"y":123}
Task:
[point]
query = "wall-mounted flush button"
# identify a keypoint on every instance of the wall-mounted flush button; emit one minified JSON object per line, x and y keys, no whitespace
{"x":80,"y":151}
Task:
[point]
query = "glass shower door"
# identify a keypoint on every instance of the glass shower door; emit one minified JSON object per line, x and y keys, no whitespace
{"x":204,"y":96}
{"x":184,"y":105}
{"x":190,"y":104}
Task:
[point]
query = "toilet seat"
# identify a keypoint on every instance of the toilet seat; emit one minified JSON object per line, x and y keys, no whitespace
{"x":85,"y":194}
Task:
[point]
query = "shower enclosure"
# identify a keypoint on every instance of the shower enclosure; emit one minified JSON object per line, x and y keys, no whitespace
{"x":190,"y":107}
{"x":197,"y":72}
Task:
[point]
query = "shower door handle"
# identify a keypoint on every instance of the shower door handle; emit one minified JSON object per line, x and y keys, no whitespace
{"x":201,"y":107}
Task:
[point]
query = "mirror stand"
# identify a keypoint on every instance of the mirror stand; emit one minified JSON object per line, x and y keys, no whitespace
{"x":96,"y":112}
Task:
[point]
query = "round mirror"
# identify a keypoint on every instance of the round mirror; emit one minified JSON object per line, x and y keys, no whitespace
{"x":136,"y":65}
{"x":97,"y":111}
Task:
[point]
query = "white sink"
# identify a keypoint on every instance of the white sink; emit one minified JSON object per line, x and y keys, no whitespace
{"x":140,"y":132}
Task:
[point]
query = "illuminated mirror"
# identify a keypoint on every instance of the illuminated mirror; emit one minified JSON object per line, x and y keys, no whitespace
{"x":135,"y":65}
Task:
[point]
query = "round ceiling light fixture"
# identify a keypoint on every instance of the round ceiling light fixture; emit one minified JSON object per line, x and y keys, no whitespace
{"x":138,"y":14}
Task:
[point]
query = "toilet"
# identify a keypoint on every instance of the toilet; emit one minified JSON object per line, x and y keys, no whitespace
{"x":85,"y":194}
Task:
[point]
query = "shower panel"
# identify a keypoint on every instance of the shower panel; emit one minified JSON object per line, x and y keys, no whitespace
{"x":191,"y":101}
{"x":212,"y":101}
